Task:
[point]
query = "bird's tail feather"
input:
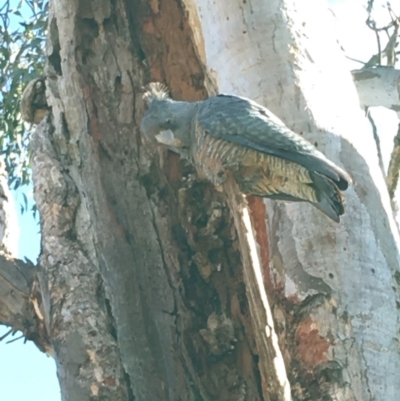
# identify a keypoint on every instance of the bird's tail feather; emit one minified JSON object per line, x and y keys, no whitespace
{"x":330,"y":200}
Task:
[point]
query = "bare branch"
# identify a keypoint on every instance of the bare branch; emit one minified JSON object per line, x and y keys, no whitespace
{"x":6,"y":335}
{"x":372,"y":25}
{"x":17,"y":279}
{"x":271,"y":364}
{"x":357,"y":61}
{"x":370,"y":6}
{"x":392,"y":14}
{"x":376,"y":59}
{"x":15,"y":339}
{"x":390,"y":49}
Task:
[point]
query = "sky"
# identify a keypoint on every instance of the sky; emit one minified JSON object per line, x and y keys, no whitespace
{"x":27,"y":373}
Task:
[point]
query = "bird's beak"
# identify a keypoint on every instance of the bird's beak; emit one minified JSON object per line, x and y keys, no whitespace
{"x":167,"y":138}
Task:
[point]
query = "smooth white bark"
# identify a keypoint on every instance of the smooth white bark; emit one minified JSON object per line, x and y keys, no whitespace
{"x":378,"y":86}
{"x":284,"y":55}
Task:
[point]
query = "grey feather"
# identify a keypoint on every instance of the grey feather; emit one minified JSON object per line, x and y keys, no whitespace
{"x":247,"y":123}
{"x":233,"y":133}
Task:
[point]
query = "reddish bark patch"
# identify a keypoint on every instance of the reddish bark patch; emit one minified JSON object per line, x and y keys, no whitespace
{"x":166,"y":39}
{"x":172,"y":167}
{"x":259,"y":215}
{"x":311,"y":347}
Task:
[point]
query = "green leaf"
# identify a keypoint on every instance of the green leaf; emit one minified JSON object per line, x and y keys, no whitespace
{"x":22,"y":39}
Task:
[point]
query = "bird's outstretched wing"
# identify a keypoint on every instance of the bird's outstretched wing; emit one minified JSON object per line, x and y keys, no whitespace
{"x":246,"y":123}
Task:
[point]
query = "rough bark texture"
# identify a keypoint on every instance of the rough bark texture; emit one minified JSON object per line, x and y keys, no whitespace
{"x":75,"y":309}
{"x":143,"y":296}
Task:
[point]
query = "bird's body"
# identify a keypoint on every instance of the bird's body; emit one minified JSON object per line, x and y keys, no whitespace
{"x":231,"y":133}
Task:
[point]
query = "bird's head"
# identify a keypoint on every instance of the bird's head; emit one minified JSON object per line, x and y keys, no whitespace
{"x":166,"y":121}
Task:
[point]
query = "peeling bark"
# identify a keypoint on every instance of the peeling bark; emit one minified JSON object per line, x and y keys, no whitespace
{"x":73,"y":302}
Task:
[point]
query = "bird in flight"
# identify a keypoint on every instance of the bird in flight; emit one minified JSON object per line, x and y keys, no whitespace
{"x":231,"y":133}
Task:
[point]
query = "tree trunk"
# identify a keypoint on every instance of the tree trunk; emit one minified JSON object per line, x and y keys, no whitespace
{"x":141,"y":289}
{"x":123,"y":233}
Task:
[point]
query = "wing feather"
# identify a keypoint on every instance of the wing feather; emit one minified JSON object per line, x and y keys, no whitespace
{"x":246,"y":123}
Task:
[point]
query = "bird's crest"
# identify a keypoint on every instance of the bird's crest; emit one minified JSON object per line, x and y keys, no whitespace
{"x":155,"y":91}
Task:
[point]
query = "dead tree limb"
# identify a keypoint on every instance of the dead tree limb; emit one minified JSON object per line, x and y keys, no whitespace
{"x":20,"y":301}
{"x":15,"y":281}
{"x":271,"y":364}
